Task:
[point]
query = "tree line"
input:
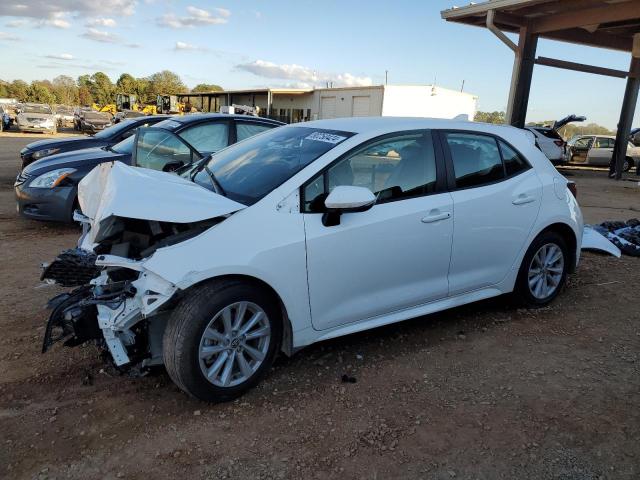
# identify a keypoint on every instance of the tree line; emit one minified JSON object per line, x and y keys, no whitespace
{"x":566,"y":132}
{"x":98,"y":88}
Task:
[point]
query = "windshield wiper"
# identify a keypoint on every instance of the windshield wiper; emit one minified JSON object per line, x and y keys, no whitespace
{"x":216,"y":185}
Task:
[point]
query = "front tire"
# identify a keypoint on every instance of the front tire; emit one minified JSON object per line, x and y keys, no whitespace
{"x":543,"y":271}
{"x":222,"y":339}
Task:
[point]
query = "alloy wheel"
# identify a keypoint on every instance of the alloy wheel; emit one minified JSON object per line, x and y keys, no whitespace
{"x":234,"y":344}
{"x":545,"y":271}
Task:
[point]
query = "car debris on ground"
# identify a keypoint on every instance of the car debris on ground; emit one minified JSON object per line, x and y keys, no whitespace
{"x":624,"y":235}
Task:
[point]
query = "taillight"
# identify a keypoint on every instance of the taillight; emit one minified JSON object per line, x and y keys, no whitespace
{"x":573,"y":188}
{"x":559,"y":143}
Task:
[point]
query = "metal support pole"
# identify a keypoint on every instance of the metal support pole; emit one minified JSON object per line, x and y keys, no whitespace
{"x":627,"y":112}
{"x":527,"y":58}
{"x":268,"y":102}
{"x":491,"y":15}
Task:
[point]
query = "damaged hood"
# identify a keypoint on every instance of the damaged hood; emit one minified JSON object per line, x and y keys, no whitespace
{"x":133,"y":192}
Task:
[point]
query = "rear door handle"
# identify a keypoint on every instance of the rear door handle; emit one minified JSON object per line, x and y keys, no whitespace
{"x":522,"y":199}
{"x":436,"y":217}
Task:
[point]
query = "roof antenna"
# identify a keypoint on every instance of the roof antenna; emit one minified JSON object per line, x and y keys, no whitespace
{"x":462,"y":87}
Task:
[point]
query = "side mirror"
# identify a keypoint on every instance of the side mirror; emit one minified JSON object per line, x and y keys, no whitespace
{"x":346,"y":199}
{"x":172,"y":166}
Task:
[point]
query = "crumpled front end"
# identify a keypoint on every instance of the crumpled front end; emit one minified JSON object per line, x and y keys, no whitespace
{"x":115,"y":308}
{"x":116,"y":300}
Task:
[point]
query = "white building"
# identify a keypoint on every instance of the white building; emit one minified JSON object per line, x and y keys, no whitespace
{"x":296,"y":105}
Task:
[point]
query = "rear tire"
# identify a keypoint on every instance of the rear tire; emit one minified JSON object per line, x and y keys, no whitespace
{"x":543,"y":271}
{"x":628,"y":163}
{"x":211,"y":350}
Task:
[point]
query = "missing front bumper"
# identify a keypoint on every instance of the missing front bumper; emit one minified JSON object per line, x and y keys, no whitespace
{"x":72,"y":319}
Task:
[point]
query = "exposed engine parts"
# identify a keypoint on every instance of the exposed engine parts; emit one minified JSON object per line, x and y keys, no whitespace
{"x":136,"y":239}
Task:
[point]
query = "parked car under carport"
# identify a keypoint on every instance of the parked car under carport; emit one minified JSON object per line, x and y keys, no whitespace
{"x":597,"y":150}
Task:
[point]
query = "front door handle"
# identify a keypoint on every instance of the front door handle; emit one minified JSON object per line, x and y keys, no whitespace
{"x":436,"y":217}
{"x":523,"y":199}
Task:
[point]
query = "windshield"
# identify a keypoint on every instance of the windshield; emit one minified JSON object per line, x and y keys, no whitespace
{"x":249,"y":170}
{"x":114,"y":130}
{"x":36,"y":109}
{"x":125,"y":146}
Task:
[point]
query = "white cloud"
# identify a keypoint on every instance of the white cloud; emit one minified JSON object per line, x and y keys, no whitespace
{"x":47,"y":9}
{"x":8,"y":37}
{"x":188,"y":47}
{"x":57,"y":20}
{"x":60,"y":56}
{"x":185,"y":46}
{"x":304,"y":76}
{"x":16,"y":23}
{"x":100,"y":36}
{"x":101,"y":22}
{"x":197,"y":18}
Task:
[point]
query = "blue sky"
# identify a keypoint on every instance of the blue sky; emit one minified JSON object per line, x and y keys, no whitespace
{"x":251,"y":43}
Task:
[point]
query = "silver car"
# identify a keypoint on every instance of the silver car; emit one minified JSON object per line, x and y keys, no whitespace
{"x":597,"y":150}
{"x":36,"y":117}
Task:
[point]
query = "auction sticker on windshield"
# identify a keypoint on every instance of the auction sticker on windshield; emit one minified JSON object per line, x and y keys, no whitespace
{"x":325,"y":137}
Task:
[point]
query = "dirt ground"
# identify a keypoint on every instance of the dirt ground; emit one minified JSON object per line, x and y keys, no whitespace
{"x":481,"y":392}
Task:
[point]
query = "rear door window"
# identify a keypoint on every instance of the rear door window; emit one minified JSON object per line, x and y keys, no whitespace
{"x":476,"y":159}
{"x":514,"y":163}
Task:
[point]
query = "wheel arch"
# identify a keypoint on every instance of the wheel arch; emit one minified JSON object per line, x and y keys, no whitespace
{"x":287,"y":331}
{"x":569,"y":236}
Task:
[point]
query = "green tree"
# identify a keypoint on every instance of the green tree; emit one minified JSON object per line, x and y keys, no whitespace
{"x":18,"y":89}
{"x":206,"y":87}
{"x":84,"y":96}
{"x":490,"y":117}
{"x":101,"y":88}
{"x":165,"y":83}
{"x":65,"y":90}
{"x":572,"y":129}
{"x":126,"y":83}
{"x":38,"y":92}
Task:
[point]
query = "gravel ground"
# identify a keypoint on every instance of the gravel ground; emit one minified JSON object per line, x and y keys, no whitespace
{"x":486,"y":391}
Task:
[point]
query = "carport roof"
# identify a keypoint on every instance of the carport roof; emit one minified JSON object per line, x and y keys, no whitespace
{"x":600,"y":23}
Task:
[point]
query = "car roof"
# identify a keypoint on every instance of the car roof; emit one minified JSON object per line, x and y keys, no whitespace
{"x":199,"y":117}
{"x":372,"y":124}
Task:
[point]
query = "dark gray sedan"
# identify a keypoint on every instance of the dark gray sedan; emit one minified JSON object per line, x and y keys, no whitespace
{"x":109,"y":136}
{"x":47,"y":189}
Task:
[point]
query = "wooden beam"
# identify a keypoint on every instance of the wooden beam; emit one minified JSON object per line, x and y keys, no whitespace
{"x":580,"y":67}
{"x":582,"y":37}
{"x":581,"y":18}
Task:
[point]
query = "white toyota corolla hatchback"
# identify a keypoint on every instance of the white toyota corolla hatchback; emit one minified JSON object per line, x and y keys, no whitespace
{"x":308,"y":232}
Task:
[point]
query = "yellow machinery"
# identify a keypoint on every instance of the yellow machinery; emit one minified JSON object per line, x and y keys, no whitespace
{"x":110,"y":108}
{"x":169,"y":104}
{"x":127,"y":101}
